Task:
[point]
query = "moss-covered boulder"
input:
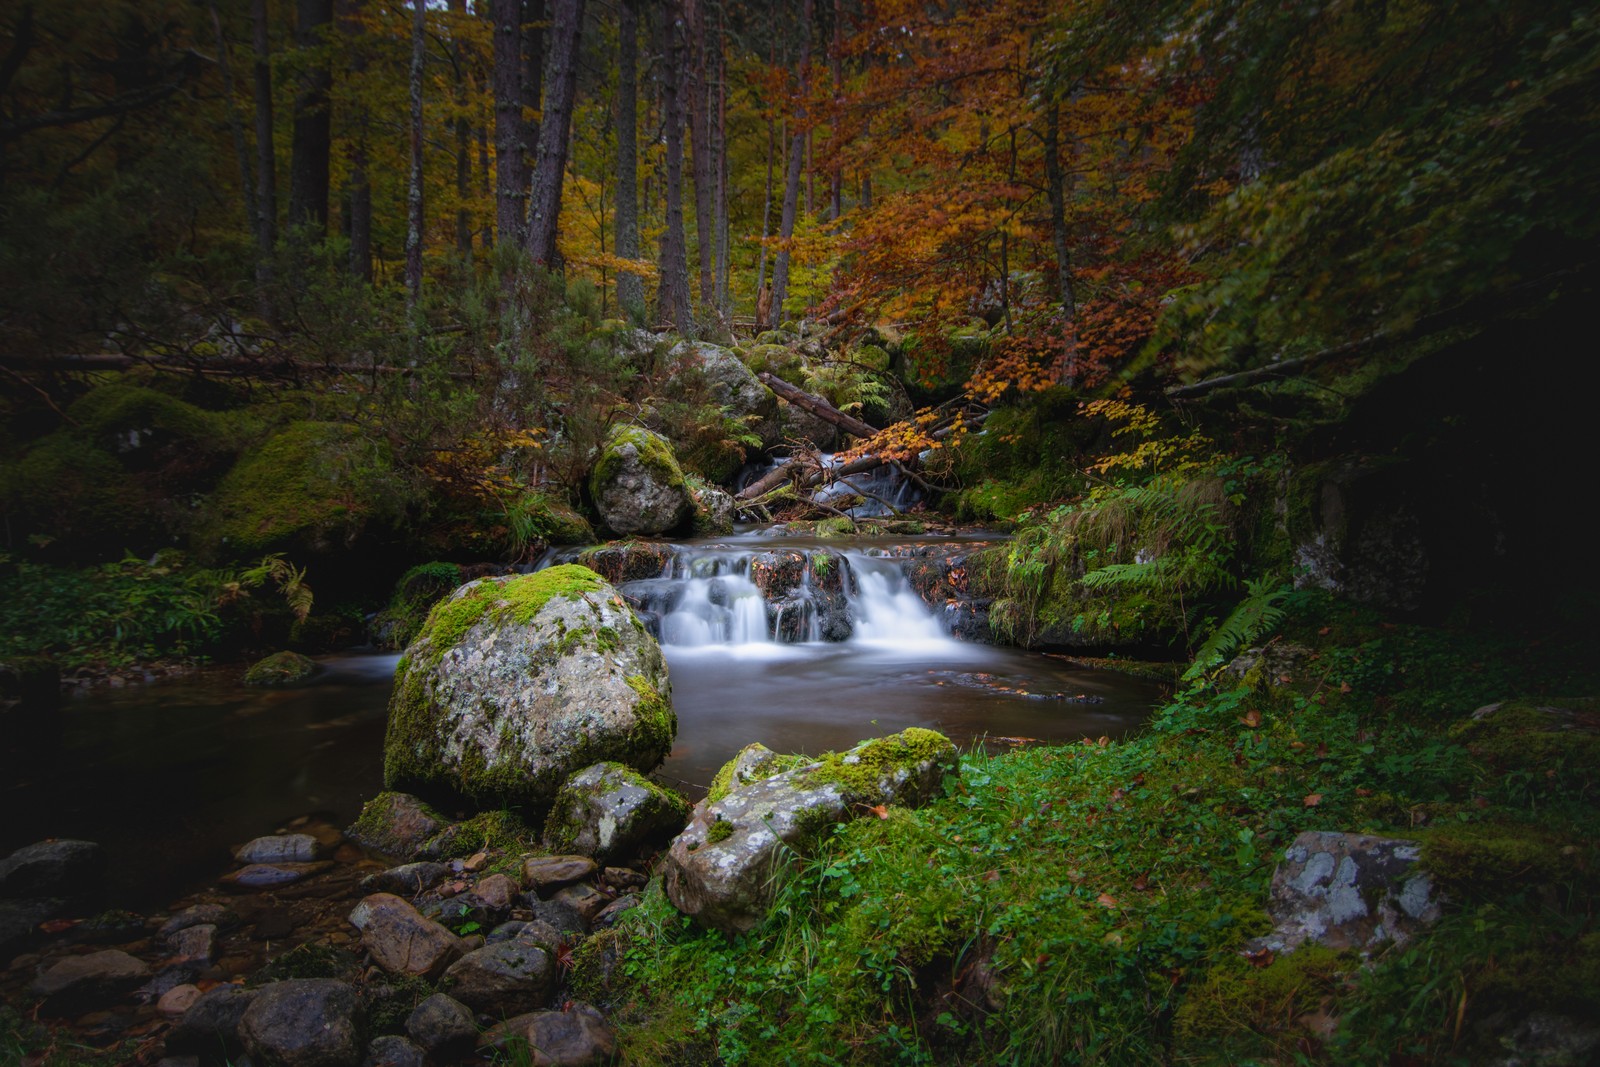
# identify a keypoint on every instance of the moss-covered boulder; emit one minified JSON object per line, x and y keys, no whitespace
{"x":720,"y":869}
{"x":417,"y":591}
{"x":610,"y":812}
{"x":515,"y":683}
{"x":734,"y":386}
{"x":637,"y":484}
{"x":713,"y":509}
{"x":395,"y":824}
{"x":280,"y":668}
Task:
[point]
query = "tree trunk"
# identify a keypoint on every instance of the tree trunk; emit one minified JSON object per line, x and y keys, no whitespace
{"x":463,"y":130}
{"x":763,"y":292}
{"x":1058,"y":228}
{"x":510,"y":155}
{"x":791,"y":186}
{"x":816,"y":405}
{"x":312,"y":140}
{"x":630,"y":287}
{"x":241,"y":151}
{"x":266,"y":160}
{"x":835,"y":60}
{"x":720,"y":153}
{"x":672,"y":295}
{"x":555,"y":126}
{"x":414,"y":219}
{"x":358,"y":216}
{"x":699,"y":140}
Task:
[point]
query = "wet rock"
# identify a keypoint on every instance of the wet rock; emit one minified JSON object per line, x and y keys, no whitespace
{"x":52,"y":869}
{"x":395,"y":824}
{"x":218,"y":915}
{"x":407,"y":880}
{"x":535,"y":932}
{"x":303,"y":1022}
{"x":1348,"y":891}
{"x":195,"y":945}
{"x":400,"y":940}
{"x":391,"y":1050}
{"x":577,"y":1038}
{"x":583,"y":899}
{"x":210,"y":1028}
{"x":516,"y":683}
{"x":545,"y":874}
{"x":92,"y":981}
{"x":609,"y":811}
{"x":259,"y":876}
{"x":507,"y":1035}
{"x":719,"y":869}
{"x":470,"y":907}
{"x":19,"y":923}
{"x":497,"y":890}
{"x":778,"y":573}
{"x":178,"y":1000}
{"x":637,"y":485}
{"x":282,"y":848}
{"x":622,"y":878}
{"x":443,"y":1027}
{"x":280,"y":669}
{"x":555,"y":913}
{"x":713,"y":511}
{"x":608,"y":915}
{"x":629,"y":561}
{"x":502,"y":978}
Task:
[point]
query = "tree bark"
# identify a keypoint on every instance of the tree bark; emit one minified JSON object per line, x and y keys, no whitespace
{"x":763,"y":293}
{"x":630,"y":287}
{"x":241,"y":151}
{"x":672,"y":294}
{"x":266,"y":160}
{"x":358,"y":217}
{"x":463,"y":131}
{"x":555,"y":126}
{"x":414,"y":217}
{"x":510,"y":153}
{"x":1058,"y":224}
{"x":791,"y":186}
{"x":719,"y":154}
{"x":311,"y":144}
{"x":816,"y":405}
{"x":699,"y":140}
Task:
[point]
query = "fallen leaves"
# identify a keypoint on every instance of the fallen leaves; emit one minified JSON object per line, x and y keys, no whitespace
{"x":1313,"y":799}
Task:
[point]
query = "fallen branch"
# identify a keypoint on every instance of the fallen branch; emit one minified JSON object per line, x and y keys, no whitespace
{"x":816,"y":405}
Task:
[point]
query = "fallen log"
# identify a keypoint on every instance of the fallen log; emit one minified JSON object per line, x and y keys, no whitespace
{"x":816,"y":405}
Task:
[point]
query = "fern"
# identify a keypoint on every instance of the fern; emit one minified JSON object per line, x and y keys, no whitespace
{"x":1257,"y":614}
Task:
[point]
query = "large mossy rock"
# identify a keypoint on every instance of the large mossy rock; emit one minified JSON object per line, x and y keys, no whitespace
{"x":609,"y":812}
{"x":722,"y":869}
{"x":637,"y":484}
{"x":734,"y":386}
{"x":515,"y":683}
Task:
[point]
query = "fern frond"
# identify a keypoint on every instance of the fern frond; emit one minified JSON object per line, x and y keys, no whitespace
{"x":1257,"y":614}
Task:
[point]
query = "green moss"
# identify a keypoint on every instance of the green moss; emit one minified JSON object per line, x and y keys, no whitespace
{"x":548,"y":518}
{"x":839,"y":526}
{"x":500,"y":832}
{"x":280,"y":668}
{"x":720,"y":831}
{"x":113,"y":415}
{"x":373,"y":824}
{"x":721,"y":784}
{"x":861,"y":769}
{"x":65,"y":487}
{"x":310,"y":960}
{"x":414,"y":595}
{"x":658,"y":723}
{"x":519,"y":598}
{"x":1472,"y":859}
{"x":1239,"y":1011}
{"x":654,"y":453}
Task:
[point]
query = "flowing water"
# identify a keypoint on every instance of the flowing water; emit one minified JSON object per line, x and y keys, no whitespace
{"x":170,"y":775}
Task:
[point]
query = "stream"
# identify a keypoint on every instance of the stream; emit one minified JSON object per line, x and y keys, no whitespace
{"x":169,"y":776}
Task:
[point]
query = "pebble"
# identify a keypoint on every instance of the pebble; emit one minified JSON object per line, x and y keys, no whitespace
{"x":178,"y":999}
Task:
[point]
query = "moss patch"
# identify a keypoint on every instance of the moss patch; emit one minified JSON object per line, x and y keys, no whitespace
{"x":1238,"y":1011}
{"x":519,"y":598}
{"x":654,"y":453}
{"x":280,"y":668}
{"x":861,"y":769}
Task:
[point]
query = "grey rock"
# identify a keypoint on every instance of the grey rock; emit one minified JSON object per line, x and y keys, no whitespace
{"x":395,"y":824}
{"x":195,"y":944}
{"x":1348,"y":891}
{"x":609,"y":811}
{"x":714,"y":511}
{"x":608,"y":915}
{"x":503,"y":978}
{"x":210,"y":1028}
{"x":52,"y":869}
{"x":518,"y":701}
{"x":392,"y":1050}
{"x":734,"y":386}
{"x":303,"y":1022}
{"x":407,"y":880}
{"x":400,"y":940}
{"x":282,"y":848}
{"x":556,"y":914}
{"x":218,"y":915}
{"x":637,"y":485}
{"x":90,"y":981}
{"x":723,"y":877}
{"x":584,"y":899}
{"x":577,"y":1038}
{"x":534,"y":931}
{"x":546,"y":874}
{"x":1547,"y":1039}
{"x":259,"y":876}
{"x":443,"y":1027}
{"x":19,"y":923}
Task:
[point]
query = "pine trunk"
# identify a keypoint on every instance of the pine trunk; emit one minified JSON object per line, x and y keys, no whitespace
{"x":358,"y":188}
{"x":414,"y":218}
{"x":672,"y":296}
{"x":555,"y":126}
{"x":266,"y":160}
{"x":312,"y":141}
{"x":630,"y":287}
{"x":699,"y":140}
{"x":791,"y":186}
{"x":510,"y":154}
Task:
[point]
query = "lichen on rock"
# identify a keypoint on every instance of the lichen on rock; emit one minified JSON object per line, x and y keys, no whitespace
{"x":637,"y":484}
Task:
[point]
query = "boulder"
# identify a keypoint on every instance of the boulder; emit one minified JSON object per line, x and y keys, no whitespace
{"x":1348,"y":891}
{"x":713,"y":511}
{"x":19,"y":922}
{"x":609,"y":811}
{"x":392,"y":1050}
{"x":406,"y":881}
{"x":576,"y":1038}
{"x":443,"y":1027}
{"x":395,"y":824}
{"x":754,"y":762}
{"x":400,"y":940}
{"x":195,"y":945}
{"x":545,"y":874}
{"x":637,"y":485}
{"x":303,"y":1022}
{"x":280,"y":668}
{"x":92,"y":981}
{"x":517,"y":682}
{"x":52,"y":869}
{"x":734,"y":386}
{"x":503,"y":978}
{"x":210,"y":1028}
{"x":629,"y":561}
{"x":283,"y":848}
{"x":720,"y":869}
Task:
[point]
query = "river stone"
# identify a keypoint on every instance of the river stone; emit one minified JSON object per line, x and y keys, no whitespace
{"x":576,"y":1038}
{"x":90,"y":981}
{"x":735,"y":387}
{"x":279,"y":669}
{"x":609,"y":811}
{"x":303,"y":1022}
{"x":392,"y":1050}
{"x":517,"y":682}
{"x":408,"y":880}
{"x":210,"y":1028}
{"x":19,"y":922}
{"x":1348,"y":891}
{"x":63,"y":868}
{"x":629,"y":561}
{"x":395,"y":824}
{"x":720,"y":869}
{"x":535,"y":932}
{"x":501,"y":979}
{"x":637,"y":485}
{"x":584,"y":899}
{"x":218,"y":915}
{"x":714,"y":511}
{"x":178,"y":1000}
{"x":400,"y":940}
{"x":443,"y":1027}
{"x":195,"y":945}
{"x":259,"y":876}
{"x":282,"y":848}
{"x":545,"y":874}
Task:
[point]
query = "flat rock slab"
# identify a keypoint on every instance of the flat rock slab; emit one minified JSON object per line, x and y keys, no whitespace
{"x":400,"y":940}
{"x":90,"y":981}
{"x":545,"y":874}
{"x":1348,"y":891}
{"x":63,"y":868}
{"x":407,"y":880}
{"x":259,"y":876}
{"x":280,"y":848}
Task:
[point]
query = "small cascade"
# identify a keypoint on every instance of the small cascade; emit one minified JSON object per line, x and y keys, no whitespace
{"x":717,"y":595}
